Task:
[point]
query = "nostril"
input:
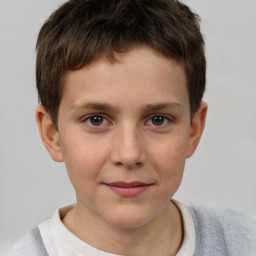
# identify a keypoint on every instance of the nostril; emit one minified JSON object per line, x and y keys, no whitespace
{"x":118,"y":164}
{"x":129,"y":166}
{"x":128,"y":153}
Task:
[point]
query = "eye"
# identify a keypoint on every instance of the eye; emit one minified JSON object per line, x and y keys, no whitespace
{"x":158,"y":120}
{"x":96,"y":120}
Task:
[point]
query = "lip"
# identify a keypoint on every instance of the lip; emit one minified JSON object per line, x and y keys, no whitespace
{"x":128,"y":189}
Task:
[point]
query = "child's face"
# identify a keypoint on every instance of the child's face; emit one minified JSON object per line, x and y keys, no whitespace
{"x":124,"y":134}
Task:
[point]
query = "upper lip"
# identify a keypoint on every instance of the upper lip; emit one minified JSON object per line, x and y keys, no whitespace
{"x":123,"y":184}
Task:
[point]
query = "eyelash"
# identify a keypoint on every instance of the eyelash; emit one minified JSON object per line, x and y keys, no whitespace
{"x":166,"y":120}
{"x":88,"y":120}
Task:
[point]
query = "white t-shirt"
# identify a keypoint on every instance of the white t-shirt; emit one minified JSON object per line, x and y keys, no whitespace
{"x":59,"y":241}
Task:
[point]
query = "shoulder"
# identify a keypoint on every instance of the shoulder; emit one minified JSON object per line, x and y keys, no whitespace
{"x":30,"y":245}
{"x":223,"y":232}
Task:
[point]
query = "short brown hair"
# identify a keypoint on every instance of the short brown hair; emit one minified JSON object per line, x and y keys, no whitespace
{"x":81,"y":31}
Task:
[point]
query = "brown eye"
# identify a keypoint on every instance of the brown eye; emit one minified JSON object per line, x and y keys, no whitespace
{"x":96,"y":120}
{"x":158,"y":120}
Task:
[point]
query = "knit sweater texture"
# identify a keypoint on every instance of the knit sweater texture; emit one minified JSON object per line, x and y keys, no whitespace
{"x":219,"y":232}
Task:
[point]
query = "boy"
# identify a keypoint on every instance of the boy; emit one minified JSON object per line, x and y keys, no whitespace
{"x":121,"y":85}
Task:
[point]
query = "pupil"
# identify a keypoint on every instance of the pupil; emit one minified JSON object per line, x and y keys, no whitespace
{"x":158,"y":120}
{"x":96,"y":120}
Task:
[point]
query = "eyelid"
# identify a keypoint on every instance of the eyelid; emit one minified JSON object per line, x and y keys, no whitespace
{"x":148,"y":119}
{"x":167,"y":117}
{"x":87,"y":117}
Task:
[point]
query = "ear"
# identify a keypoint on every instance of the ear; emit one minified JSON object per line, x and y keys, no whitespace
{"x":196,"y":128}
{"x":49,"y":134}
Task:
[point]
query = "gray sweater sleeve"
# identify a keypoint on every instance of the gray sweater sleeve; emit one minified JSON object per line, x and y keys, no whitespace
{"x":223,"y":232}
{"x":30,"y":245}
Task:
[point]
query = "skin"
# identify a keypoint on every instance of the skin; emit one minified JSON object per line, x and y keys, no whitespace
{"x":143,"y":133}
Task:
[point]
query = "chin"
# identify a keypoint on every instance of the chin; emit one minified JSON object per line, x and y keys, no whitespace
{"x":129,"y":218}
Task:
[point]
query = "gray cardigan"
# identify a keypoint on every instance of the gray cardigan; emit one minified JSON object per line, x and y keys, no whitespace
{"x":218,"y":233}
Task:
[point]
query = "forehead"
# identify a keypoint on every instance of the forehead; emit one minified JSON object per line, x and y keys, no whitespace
{"x":141,"y":73}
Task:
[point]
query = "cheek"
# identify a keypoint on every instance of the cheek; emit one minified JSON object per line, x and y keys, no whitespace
{"x":169,"y":160}
{"x":84,"y":160}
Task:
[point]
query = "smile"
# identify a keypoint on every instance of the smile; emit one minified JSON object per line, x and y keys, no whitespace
{"x":131,"y":189}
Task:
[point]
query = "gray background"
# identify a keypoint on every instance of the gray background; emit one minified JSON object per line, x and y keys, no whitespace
{"x":223,"y":170}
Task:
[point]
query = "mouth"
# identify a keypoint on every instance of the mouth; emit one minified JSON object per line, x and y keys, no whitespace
{"x":130,"y":189}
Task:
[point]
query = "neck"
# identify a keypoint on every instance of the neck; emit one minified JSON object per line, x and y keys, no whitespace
{"x":164,"y":233}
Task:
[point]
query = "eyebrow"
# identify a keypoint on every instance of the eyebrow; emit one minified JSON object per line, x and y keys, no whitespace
{"x":94,"y":106}
{"x":160,"y":106}
{"x":107,"y":107}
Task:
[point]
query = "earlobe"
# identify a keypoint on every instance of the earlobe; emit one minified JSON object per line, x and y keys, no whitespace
{"x":49,"y":134}
{"x":197,"y":128}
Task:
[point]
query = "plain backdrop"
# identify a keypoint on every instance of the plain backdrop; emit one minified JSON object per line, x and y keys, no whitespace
{"x":223,"y":170}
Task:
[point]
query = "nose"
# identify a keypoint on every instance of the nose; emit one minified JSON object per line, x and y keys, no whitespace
{"x":128,"y":148}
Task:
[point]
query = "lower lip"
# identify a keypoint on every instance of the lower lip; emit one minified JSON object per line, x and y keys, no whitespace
{"x":130,"y":191}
